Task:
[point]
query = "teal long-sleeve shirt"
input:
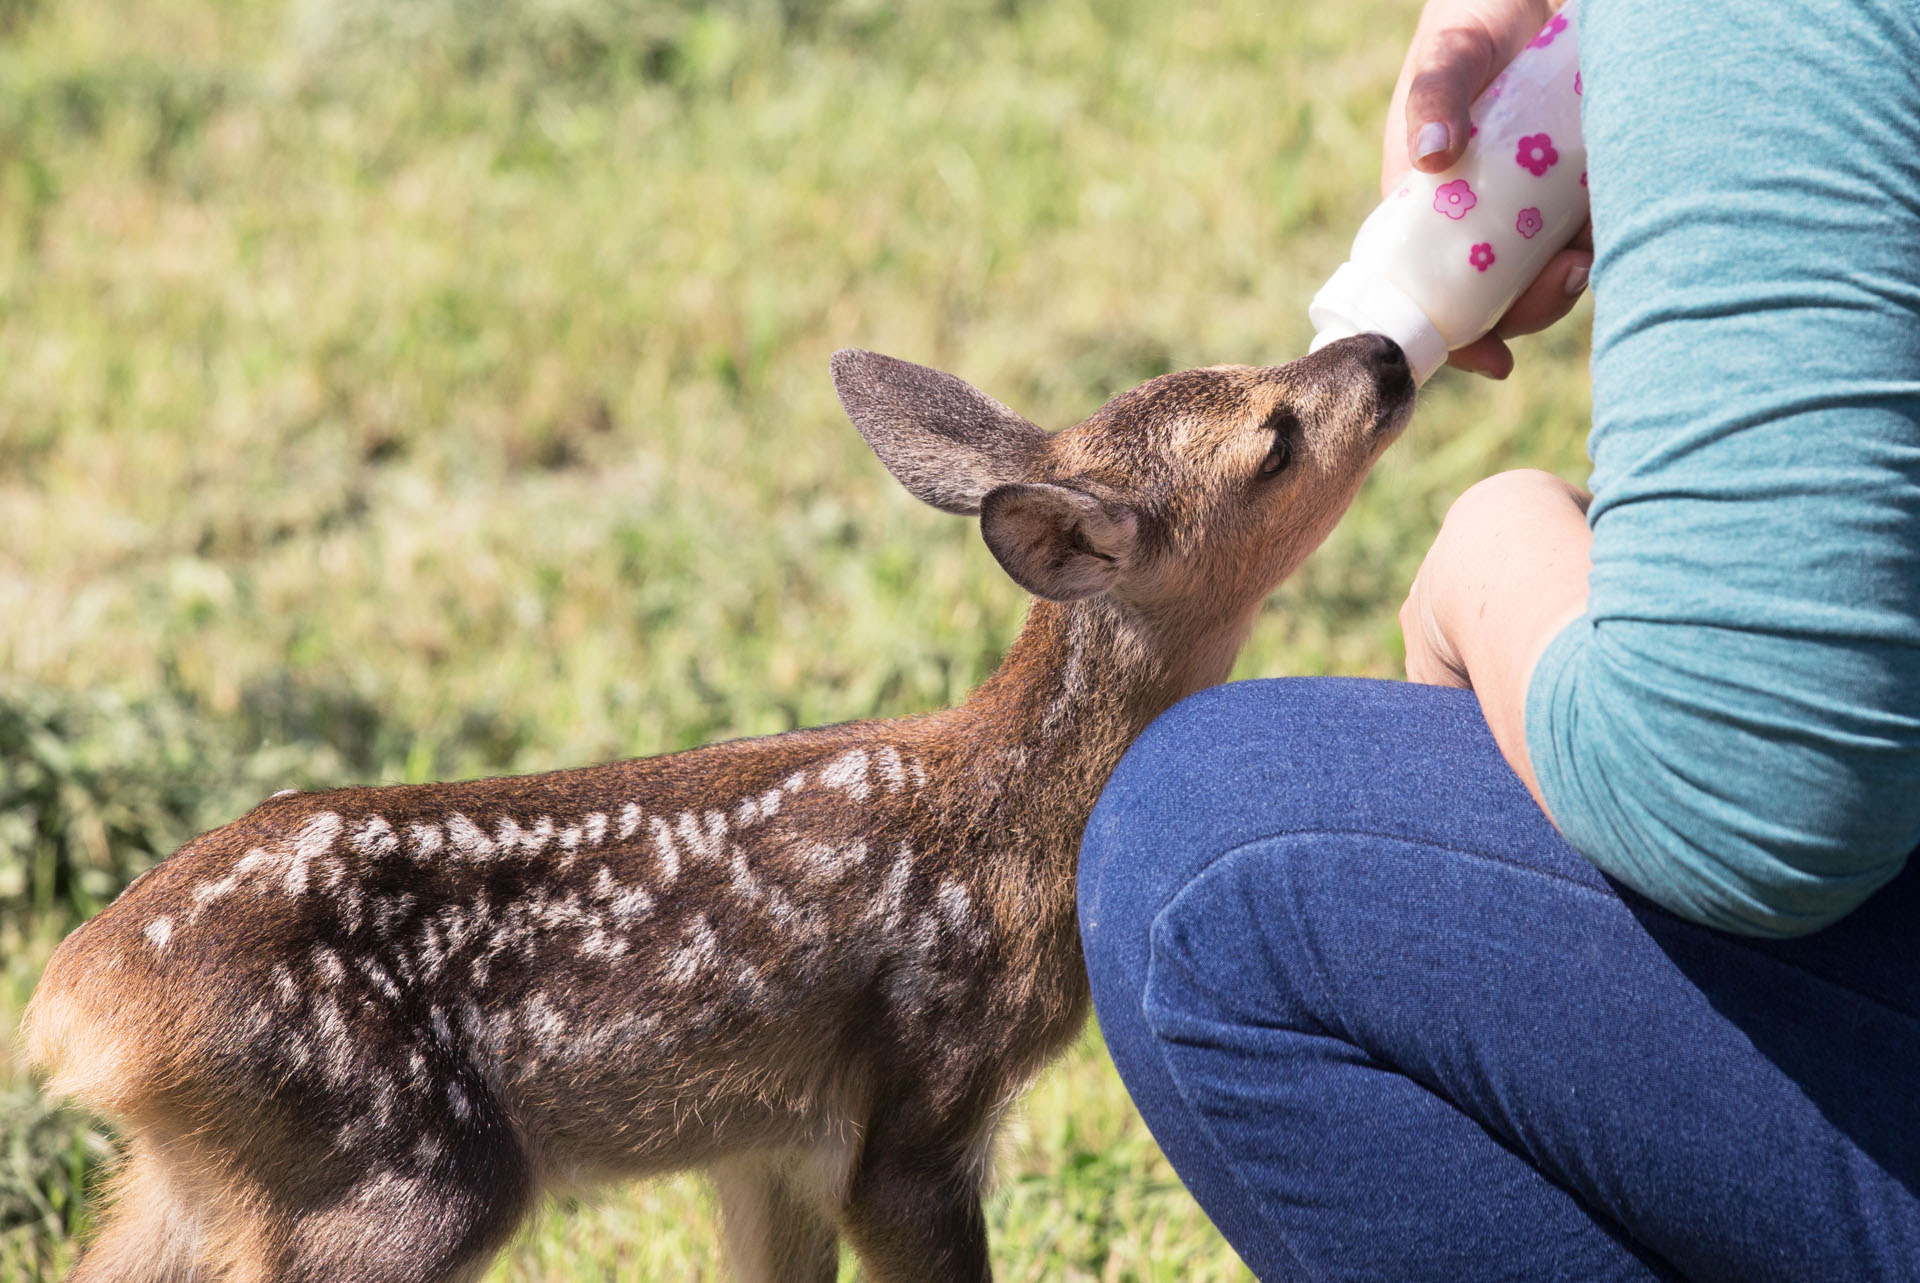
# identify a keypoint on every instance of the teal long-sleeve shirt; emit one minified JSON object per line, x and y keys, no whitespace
{"x":1733,"y":728}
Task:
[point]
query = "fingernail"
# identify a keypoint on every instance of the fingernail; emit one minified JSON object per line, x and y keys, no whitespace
{"x":1576,"y":279}
{"x":1431,"y":140}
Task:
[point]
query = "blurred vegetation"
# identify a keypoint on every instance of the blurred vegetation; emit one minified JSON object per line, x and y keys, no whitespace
{"x":406,"y":390}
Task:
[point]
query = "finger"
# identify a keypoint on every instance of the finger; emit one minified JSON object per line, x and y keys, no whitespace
{"x":1551,"y":295}
{"x":1441,"y":36}
{"x":1486,"y":356}
{"x":1449,"y":67}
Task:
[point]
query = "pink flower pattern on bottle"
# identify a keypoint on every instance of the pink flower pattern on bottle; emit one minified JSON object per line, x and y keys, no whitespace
{"x":1536,"y":154}
{"x":1540,"y":103}
{"x":1454,"y":199}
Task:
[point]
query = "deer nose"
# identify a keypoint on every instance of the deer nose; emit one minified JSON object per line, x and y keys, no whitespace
{"x":1390,"y":367}
{"x":1388,"y":356}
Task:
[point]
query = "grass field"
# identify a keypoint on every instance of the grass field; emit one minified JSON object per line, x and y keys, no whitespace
{"x":429,"y":388}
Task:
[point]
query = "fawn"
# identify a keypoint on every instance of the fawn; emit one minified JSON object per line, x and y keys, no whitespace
{"x":353,"y":1035}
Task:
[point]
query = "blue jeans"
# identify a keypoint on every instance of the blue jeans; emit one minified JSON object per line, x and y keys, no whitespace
{"x":1389,"y":1027}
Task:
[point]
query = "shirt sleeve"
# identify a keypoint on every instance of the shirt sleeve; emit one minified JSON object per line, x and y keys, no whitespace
{"x":1733,"y":729}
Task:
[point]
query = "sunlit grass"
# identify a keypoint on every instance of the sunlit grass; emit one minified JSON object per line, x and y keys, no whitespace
{"x":437,"y":387}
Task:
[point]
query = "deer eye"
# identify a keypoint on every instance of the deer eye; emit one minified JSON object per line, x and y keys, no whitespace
{"x":1280,"y":423}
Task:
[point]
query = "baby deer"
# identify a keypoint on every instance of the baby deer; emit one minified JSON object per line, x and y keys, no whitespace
{"x":353,"y":1035}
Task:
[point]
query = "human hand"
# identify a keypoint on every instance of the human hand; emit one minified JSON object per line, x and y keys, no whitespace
{"x":1506,"y":573}
{"x":1523,"y":531}
{"x":1457,"y":49}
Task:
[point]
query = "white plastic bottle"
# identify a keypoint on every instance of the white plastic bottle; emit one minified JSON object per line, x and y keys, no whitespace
{"x":1442,"y":258}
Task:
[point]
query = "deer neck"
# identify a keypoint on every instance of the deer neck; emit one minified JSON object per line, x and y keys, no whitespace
{"x":1080,"y":682}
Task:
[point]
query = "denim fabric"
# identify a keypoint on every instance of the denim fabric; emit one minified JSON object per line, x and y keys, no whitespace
{"x":1734,"y":727}
{"x":1390,"y":1027}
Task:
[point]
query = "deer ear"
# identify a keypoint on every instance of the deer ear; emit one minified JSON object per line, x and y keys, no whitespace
{"x":1058,"y":542}
{"x":946,"y":441}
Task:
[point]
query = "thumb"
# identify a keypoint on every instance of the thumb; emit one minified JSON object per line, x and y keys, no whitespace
{"x":1445,"y":69}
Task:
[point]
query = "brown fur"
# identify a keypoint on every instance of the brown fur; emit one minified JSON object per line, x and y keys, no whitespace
{"x":354,"y":1034}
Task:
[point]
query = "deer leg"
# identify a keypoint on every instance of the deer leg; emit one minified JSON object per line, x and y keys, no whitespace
{"x":915,"y":1217}
{"x":150,"y":1233}
{"x":776,"y":1230}
{"x":440,"y":1222}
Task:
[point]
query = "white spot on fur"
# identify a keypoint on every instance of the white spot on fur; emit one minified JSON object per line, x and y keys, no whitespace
{"x":599,"y":944}
{"x":555,"y":914}
{"x":508,"y":835}
{"x":703,"y":844}
{"x":327,"y":963}
{"x":770,"y":803}
{"x":472,"y":1023}
{"x":207,"y":892}
{"x":629,"y":820}
{"x":955,"y":905}
{"x":336,"y":1047}
{"x":794,"y":782}
{"x":375,"y":838}
{"x":285,"y":991}
{"x":891,"y":904}
{"x":315,"y":839}
{"x":467,"y":839}
{"x":823,"y":860}
{"x":745,"y":884}
{"x":382,"y":981}
{"x":542,"y":1021}
{"x":912,"y":980}
{"x":570,"y":838}
{"x":669,"y":854}
{"x":632,"y":905}
{"x":462,"y":1107}
{"x":848,"y":772}
{"x":891,"y":768}
{"x":693,"y":956}
{"x":781,"y":910}
{"x":594,"y":827}
{"x":158,"y":932}
{"x":431,"y":949}
{"x":428,"y":840}
{"x":454,"y":920}
{"x":919,"y":772}
{"x":539,"y":835}
{"x":441,"y":1029}
{"x":746,"y":814}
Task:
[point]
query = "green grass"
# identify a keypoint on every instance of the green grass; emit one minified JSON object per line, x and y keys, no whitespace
{"x":405,"y":390}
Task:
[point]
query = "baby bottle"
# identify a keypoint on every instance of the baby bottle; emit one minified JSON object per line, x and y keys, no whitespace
{"x":1445,"y":255}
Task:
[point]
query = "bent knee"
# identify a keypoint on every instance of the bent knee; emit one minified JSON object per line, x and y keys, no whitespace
{"x":1238,"y":763}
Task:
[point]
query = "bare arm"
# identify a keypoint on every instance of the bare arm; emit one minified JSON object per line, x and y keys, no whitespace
{"x":1506,"y":573}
